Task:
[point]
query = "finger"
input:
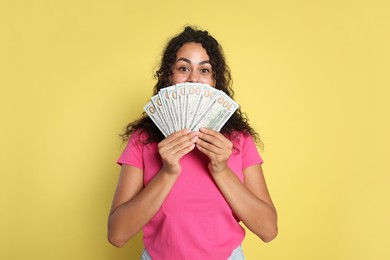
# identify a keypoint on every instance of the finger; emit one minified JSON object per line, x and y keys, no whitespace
{"x":210,"y":147}
{"x":214,"y":138}
{"x":172,"y":153}
{"x":215,"y":154}
{"x":171,"y":138}
{"x":214,"y":134}
{"x":174,"y":136}
{"x":204,"y":150}
{"x":172,"y":156}
{"x":185,"y":150}
{"x":184,"y":145}
{"x":180,"y":142}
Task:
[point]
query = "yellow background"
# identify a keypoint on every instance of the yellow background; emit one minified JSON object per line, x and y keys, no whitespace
{"x":313,"y":77}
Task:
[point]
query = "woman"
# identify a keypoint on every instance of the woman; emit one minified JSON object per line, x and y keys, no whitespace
{"x":189,"y":191}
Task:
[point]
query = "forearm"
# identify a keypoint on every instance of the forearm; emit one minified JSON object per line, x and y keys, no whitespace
{"x":259,"y":216}
{"x":129,"y":218}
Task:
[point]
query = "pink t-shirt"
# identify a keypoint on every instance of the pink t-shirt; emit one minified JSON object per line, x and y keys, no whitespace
{"x":195,"y":221}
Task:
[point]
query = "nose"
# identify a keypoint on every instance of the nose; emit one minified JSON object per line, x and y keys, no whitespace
{"x":193,"y":77}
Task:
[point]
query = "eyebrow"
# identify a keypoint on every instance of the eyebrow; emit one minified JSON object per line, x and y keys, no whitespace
{"x":188,"y":61}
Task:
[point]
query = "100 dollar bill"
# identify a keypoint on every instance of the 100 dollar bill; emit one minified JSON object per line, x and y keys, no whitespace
{"x":221,"y":109}
{"x":190,"y":105}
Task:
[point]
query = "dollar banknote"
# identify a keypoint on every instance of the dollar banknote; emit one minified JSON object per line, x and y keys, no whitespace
{"x":169,"y":114}
{"x":193,"y":96}
{"x":151,"y":110}
{"x":207,"y":97}
{"x":181,"y":97}
{"x":221,"y":109}
{"x":191,"y":106}
{"x":158,"y":105}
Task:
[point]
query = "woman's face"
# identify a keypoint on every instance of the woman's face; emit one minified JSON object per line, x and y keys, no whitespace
{"x":192,"y":65}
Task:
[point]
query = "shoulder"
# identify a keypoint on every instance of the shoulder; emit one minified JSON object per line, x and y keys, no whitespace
{"x":240,"y":139}
{"x":139,"y":136}
{"x":137,"y":140}
{"x":135,"y":148}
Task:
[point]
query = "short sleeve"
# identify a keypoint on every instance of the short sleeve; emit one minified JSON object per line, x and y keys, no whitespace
{"x":132,"y":155}
{"x":250,"y":155}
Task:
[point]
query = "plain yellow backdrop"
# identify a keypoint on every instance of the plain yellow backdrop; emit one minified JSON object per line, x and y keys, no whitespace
{"x":313,"y":77}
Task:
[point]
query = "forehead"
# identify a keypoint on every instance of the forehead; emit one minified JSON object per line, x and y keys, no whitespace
{"x":192,"y":49}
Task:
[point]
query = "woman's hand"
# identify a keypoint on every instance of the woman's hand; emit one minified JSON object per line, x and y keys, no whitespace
{"x":250,"y":200}
{"x":135,"y":205}
{"x":174,"y":147}
{"x":217,"y":148}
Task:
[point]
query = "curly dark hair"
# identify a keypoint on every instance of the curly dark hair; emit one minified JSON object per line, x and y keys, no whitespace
{"x":238,"y":122}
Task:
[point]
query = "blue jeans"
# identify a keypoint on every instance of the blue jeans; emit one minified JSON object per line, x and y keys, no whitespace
{"x":237,"y":254}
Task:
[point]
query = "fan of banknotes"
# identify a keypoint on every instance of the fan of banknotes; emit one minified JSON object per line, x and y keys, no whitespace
{"x":191,"y":106}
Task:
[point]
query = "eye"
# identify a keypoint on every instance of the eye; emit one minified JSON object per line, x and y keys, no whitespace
{"x":183,"y":69}
{"x":205,"y":71}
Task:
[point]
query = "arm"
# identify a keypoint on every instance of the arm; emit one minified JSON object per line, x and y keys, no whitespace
{"x":133,"y":206}
{"x":250,"y":200}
